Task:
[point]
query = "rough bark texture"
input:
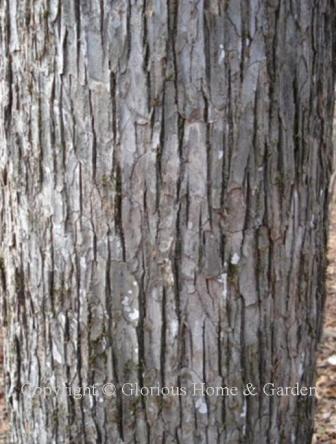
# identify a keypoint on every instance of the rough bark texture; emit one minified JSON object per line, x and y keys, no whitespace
{"x":164,"y":173}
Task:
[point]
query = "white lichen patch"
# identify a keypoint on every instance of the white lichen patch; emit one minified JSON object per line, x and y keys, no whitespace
{"x":201,"y":406}
{"x":235,"y":259}
{"x":134,"y":315}
{"x":223,"y":280}
{"x":221,"y":55}
{"x":174,"y":327}
{"x":244,"y":410}
{"x":104,"y":343}
{"x":83,"y":263}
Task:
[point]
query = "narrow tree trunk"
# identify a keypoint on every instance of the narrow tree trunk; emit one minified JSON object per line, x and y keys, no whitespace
{"x":164,"y":187}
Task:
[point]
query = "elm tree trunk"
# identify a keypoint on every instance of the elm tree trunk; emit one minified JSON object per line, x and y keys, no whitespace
{"x":164,"y":173}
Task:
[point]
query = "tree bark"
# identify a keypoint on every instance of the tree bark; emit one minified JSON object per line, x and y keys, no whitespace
{"x":164,"y":172}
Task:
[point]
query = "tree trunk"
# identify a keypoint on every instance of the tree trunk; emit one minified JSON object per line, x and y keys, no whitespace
{"x":164,"y":188}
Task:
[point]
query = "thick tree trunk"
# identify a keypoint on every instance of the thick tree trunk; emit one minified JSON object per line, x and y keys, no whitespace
{"x":164,"y":173}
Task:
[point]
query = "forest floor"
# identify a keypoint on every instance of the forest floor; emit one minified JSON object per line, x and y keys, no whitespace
{"x":325,"y":420}
{"x":3,"y":417}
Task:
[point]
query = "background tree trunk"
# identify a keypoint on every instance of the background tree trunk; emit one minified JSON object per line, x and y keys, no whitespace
{"x":164,"y":187}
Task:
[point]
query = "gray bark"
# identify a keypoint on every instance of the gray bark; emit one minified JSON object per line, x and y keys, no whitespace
{"x":164,"y":174}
